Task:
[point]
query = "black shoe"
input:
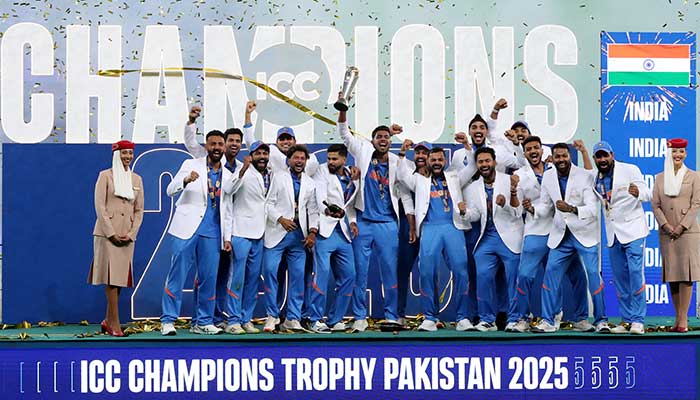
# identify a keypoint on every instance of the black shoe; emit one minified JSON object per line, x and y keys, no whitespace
{"x":501,"y":320}
{"x":306,"y":323}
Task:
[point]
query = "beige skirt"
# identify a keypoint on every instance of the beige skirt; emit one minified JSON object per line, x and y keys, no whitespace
{"x":680,"y":258}
{"x":111,"y":265}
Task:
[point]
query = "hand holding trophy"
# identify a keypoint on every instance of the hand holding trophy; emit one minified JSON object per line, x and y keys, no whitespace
{"x":351,"y":75}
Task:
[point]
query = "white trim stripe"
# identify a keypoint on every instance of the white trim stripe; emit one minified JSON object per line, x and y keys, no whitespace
{"x":648,"y":65}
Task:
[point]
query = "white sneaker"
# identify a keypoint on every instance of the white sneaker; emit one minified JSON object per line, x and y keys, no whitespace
{"x":360,"y":325}
{"x":205,"y":330}
{"x":402,"y":321}
{"x":637,"y":328}
{"x":292,"y":325}
{"x":428,"y":326}
{"x":465,"y":325}
{"x":320,"y":327}
{"x":339,"y":327}
{"x":234,"y":329}
{"x":521,"y":326}
{"x":221,"y":325}
{"x":270,"y":324}
{"x":484,"y":326}
{"x":248,"y":327}
{"x":619,"y":329}
{"x":602,"y":327}
{"x":583,"y":326}
{"x":544,"y":327}
{"x":168,"y":329}
{"x":557,"y":319}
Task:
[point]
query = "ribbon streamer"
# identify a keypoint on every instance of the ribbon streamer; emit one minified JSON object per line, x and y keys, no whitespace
{"x":216,"y":73}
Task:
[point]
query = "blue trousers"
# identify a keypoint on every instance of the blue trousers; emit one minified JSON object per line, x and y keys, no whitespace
{"x":382,"y":239}
{"x":408,"y":254}
{"x":222,"y":275}
{"x":332,"y":254}
{"x":471,"y":236}
{"x":438,"y":241}
{"x":533,"y":260}
{"x":244,"y":280}
{"x":203,"y":253}
{"x":560,"y":260}
{"x":292,"y":248}
{"x":627,"y":262}
{"x":488,"y":253}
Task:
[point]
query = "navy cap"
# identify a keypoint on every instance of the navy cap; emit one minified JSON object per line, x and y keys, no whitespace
{"x":602,"y":146}
{"x":285,"y":130}
{"x":424,"y":145}
{"x":520,"y":124}
{"x":257,"y":145}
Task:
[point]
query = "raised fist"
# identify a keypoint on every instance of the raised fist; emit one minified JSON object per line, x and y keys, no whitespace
{"x":500,"y":104}
{"x":395,"y":129}
{"x":194,"y":113}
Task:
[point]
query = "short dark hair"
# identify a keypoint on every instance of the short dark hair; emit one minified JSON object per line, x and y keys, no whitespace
{"x":233,"y":131}
{"x":487,"y":150}
{"x":561,"y":145}
{"x":477,"y":118}
{"x":531,"y":139}
{"x":297,"y":148}
{"x":215,"y":133}
{"x":437,"y":149}
{"x":380,"y":128}
{"x":338,"y":148}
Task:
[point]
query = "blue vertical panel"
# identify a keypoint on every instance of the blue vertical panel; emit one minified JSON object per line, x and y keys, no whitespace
{"x":637,"y":116}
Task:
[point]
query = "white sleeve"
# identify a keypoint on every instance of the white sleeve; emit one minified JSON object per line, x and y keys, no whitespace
{"x":191,"y":144}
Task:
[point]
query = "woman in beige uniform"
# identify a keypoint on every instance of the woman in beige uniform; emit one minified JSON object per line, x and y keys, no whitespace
{"x":675,"y":202}
{"x":119,"y":209}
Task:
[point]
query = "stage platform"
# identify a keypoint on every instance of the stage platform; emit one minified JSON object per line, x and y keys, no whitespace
{"x":77,"y":361}
{"x":67,"y":335}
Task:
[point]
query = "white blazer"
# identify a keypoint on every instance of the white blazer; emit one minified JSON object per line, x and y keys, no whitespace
{"x":420,"y":185}
{"x":579,"y":192}
{"x":362,"y":150}
{"x":507,"y":219}
{"x":280,"y":203}
{"x":530,"y":188}
{"x":625,"y":217}
{"x":328,"y":188}
{"x":192,"y":204}
{"x":278,"y":160}
{"x":249,"y":197}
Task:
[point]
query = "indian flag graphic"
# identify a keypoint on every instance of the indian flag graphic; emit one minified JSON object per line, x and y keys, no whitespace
{"x":649,"y":64}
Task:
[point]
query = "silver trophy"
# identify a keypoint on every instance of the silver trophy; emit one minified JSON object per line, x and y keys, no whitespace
{"x":351,"y":75}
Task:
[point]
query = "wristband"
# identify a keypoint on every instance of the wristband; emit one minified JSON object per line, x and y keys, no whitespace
{"x":495,"y":110}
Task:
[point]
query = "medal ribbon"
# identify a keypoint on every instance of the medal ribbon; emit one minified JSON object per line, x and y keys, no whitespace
{"x":441,"y":188}
{"x":213,"y":190}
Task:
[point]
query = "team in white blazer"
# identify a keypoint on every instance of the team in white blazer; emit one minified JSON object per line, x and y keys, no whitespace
{"x":198,"y":231}
{"x":260,"y":208}
{"x":621,"y":189}
{"x":493,"y":203}
{"x":335,"y":187}
{"x":250,"y":189}
{"x":533,"y":256}
{"x":574,"y":233}
{"x":292,"y":226}
{"x":233,"y":138}
{"x":440,"y":220}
